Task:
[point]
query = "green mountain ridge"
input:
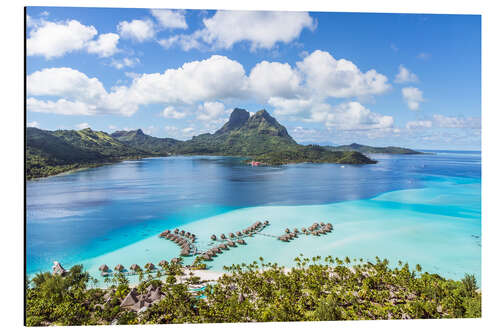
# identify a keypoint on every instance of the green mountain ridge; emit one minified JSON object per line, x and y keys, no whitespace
{"x":373,"y":150}
{"x":139,"y":140}
{"x":241,"y":135}
{"x":52,"y":152}
{"x":259,"y":137}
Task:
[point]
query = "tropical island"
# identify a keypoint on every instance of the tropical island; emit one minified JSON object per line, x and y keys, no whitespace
{"x":315,"y":289}
{"x":259,"y":137}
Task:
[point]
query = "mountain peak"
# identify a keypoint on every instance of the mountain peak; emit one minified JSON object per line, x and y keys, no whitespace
{"x":139,"y":132}
{"x":237,"y":119}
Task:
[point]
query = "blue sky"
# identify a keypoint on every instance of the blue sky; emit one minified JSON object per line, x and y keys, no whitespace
{"x":330,"y":78}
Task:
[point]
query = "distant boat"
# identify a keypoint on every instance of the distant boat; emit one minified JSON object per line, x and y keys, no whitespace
{"x":342,"y":166}
{"x":254,"y":163}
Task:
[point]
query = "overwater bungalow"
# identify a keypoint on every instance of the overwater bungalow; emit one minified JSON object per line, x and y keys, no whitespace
{"x":231,"y":243}
{"x":176,"y":231}
{"x":287,"y":230}
{"x":222,"y":236}
{"x":304,"y":230}
{"x":185,"y":252}
{"x":175,"y":260}
{"x":231,"y":235}
{"x":239,"y":234}
{"x":182,"y":232}
{"x":266,"y":222}
{"x":213,"y":237}
{"x":241,"y":241}
{"x":296,"y":230}
{"x":135,"y":267}
{"x":162,"y":263}
{"x":322,"y":224}
{"x":119,"y":268}
{"x":207,"y":257}
{"x":149,"y":266}
{"x":103,"y":268}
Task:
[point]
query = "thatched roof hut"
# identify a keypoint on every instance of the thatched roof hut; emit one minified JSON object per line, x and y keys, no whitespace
{"x":57,"y":269}
{"x":311,"y":228}
{"x":241,"y":241}
{"x":165,"y":233}
{"x":149,"y":266}
{"x":175,"y":260}
{"x":104,"y":268}
{"x":231,"y":235}
{"x":213,"y":237}
{"x":176,"y":231}
{"x":239,"y":234}
{"x":266,"y":222}
{"x":182,"y":233}
{"x":304,"y":230}
{"x":131,"y":299}
{"x":185,"y":252}
{"x":287,"y":230}
{"x":162,"y":263}
{"x":135,"y":267}
{"x":231,"y":243}
{"x":188,"y":234}
{"x":296,"y":230}
{"x":322,"y":224}
{"x":119,"y":268}
{"x":222,"y":236}
{"x":207,"y":257}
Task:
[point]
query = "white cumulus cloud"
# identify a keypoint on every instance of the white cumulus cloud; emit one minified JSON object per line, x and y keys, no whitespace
{"x":268,"y":79}
{"x":173,"y":19}
{"x":33,"y":124}
{"x":353,"y":116}
{"x":413,"y":97}
{"x":210,"y":111}
{"x":262,"y":29}
{"x":105,"y":45}
{"x":404,"y":75}
{"x":171,"y":112}
{"x":329,"y":77}
{"x":51,"y":39}
{"x":137,"y":30}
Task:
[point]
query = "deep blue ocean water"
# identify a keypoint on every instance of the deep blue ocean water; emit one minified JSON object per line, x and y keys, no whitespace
{"x":78,"y":216}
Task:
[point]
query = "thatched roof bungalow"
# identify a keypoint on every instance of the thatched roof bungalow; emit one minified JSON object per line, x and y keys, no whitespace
{"x":135,"y":267}
{"x":241,"y":241}
{"x":104,"y":268}
{"x":57,"y":269}
{"x":231,"y":235}
{"x":119,"y":268}
{"x":149,"y":266}
{"x":162,"y":263}
{"x":213,"y":237}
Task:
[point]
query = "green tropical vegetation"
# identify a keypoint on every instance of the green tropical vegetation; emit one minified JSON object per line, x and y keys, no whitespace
{"x":312,"y":154}
{"x":373,"y":150}
{"x":260,"y":137}
{"x":313,"y":290}
{"x":139,"y":140}
{"x":52,"y":152}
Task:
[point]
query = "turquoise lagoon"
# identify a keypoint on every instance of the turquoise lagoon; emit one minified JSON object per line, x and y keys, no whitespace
{"x":420,"y":209}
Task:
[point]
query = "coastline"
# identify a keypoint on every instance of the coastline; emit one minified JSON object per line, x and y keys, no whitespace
{"x":367,"y":233}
